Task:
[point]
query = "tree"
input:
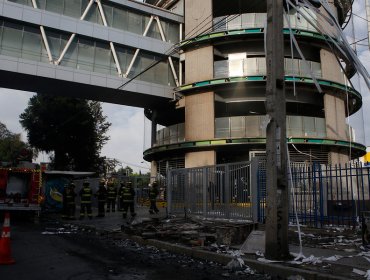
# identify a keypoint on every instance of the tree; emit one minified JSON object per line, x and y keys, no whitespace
{"x":74,"y":130}
{"x":12,"y":148}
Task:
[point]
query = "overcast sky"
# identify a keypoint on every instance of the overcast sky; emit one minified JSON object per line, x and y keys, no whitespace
{"x":127,"y":131}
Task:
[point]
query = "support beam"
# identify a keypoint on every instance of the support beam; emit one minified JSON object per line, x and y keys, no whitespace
{"x":276,"y":166}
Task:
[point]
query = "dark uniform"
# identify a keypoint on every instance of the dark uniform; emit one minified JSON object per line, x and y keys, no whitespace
{"x":111,"y":197}
{"x":128,"y":195}
{"x":120,"y":197}
{"x":86,"y":200}
{"x":153,"y":193}
{"x":101,"y":194}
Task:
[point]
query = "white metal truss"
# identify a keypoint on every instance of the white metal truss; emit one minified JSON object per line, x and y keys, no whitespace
{"x":169,"y":58}
{"x":73,"y":34}
{"x":113,"y":50}
{"x":111,"y":44}
{"x":44,"y":38}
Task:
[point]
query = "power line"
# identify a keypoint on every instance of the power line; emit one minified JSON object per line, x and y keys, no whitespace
{"x":359,"y":41}
{"x":361,"y":17}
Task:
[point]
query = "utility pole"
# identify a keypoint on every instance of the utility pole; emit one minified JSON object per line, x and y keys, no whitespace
{"x":276,"y":143}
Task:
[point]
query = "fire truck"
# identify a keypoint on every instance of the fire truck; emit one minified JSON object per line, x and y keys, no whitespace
{"x":20,"y":189}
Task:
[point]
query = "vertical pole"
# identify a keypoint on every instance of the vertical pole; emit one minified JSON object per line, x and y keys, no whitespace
{"x":276,"y":166}
{"x":154,"y":128}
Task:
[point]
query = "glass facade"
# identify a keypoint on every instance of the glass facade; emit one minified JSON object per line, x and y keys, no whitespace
{"x":21,"y":41}
{"x":116,"y":17}
{"x":248,"y":127}
{"x":257,"y":66}
{"x":258,"y":20}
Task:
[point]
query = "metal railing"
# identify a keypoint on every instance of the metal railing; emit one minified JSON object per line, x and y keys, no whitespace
{"x":324,"y":195}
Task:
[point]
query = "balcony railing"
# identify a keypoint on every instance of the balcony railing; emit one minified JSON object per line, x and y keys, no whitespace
{"x":257,"y":66}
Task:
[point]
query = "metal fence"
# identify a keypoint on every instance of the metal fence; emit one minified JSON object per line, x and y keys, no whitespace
{"x":323,"y":195}
{"x":221,"y":191}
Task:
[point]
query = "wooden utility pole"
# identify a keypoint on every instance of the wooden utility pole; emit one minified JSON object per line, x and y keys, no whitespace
{"x":276,"y":149}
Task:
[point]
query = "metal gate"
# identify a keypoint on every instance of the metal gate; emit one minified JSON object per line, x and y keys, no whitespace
{"x":221,"y":191}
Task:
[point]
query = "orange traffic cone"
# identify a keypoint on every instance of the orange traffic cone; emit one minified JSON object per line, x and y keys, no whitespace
{"x":5,"y":251}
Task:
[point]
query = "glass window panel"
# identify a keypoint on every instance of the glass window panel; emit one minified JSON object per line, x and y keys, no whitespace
{"x":72,"y":8}
{"x":70,"y":57}
{"x":160,"y":72}
{"x":320,"y":127}
{"x":135,"y":23}
{"x":248,"y":20}
{"x":316,"y":69}
{"x":120,"y":19}
{"x":260,"y":20}
{"x":166,"y":136}
{"x":93,"y":14}
{"x":309,"y":126}
{"x":41,"y":4}
{"x":219,"y":23}
{"x":122,"y":57}
{"x":54,"y":41}
{"x":160,"y":137}
{"x":173,"y":33}
{"x":292,"y":67}
{"x":305,"y":68}
{"x":108,"y":12}
{"x":102,"y":58}
{"x":252,"y":126}
{"x":221,"y":69}
{"x":261,"y":66}
{"x":55,"y":6}
{"x":12,"y":40}
{"x":146,"y":61}
{"x":22,"y":2}
{"x":234,"y":22}
{"x":222,"y":128}
{"x":250,"y":67}
{"x":136,"y":68}
{"x":85,"y":55}
{"x":295,"y":127}
{"x":173,"y":134}
{"x":181,"y":132}
{"x":31,"y":48}
{"x":237,"y":125}
{"x":153,"y":31}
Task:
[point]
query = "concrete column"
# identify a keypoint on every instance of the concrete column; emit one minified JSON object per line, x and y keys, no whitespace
{"x":198,"y":17}
{"x":154,"y":128}
{"x":199,"y":107}
{"x":335,"y":114}
{"x":153,"y":170}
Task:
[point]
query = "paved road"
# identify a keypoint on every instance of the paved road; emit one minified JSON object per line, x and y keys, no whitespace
{"x":85,"y":255}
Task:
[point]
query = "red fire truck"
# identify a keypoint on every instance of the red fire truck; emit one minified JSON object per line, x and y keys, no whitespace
{"x":20,"y":189}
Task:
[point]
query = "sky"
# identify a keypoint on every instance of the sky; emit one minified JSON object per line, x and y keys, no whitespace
{"x":127,"y":131}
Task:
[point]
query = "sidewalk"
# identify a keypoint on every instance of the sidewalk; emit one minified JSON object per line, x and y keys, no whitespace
{"x":313,"y":267}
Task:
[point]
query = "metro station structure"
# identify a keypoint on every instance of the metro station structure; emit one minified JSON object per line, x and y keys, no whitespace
{"x":197,"y":67}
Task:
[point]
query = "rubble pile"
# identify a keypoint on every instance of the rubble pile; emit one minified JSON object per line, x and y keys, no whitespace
{"x":190,"y":232}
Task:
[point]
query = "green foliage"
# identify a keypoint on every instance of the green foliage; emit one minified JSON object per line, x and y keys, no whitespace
{"x":73,"y":129}
{"x":12,"y":148}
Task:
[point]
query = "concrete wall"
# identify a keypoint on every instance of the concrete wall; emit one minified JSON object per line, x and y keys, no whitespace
{"x":335,"y":114}
{"x":198,"y":17}
{"x":199,"y":108}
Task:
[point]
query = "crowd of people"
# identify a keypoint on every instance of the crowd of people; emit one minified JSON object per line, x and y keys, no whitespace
{"x":108,"y":197}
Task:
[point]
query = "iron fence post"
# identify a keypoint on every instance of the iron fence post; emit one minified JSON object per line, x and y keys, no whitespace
{"x":254,"y":189}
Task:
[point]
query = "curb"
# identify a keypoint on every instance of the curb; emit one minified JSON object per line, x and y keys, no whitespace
{"x":276,"y":270}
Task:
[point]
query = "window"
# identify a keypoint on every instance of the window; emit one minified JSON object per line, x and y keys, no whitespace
{"x":85,"y":55}
{"x":12,"y":39}
{"x":102,"y":62}
{"x":31,"y":48}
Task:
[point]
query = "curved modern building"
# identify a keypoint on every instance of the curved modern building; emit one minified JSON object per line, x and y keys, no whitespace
{"x":218,"y":114}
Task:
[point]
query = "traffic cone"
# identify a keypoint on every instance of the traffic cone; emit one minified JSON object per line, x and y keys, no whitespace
{"x":5,"y":251}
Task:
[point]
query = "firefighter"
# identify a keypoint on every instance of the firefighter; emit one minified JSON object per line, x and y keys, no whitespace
{"x":153,"y":193}
{"x":101,"y":194}
{"x":86,"y":200}
{"x":128,"y":195}
{"x":111,"y":197}
{"x":120,"y":196}
{"x":71,"y":197}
